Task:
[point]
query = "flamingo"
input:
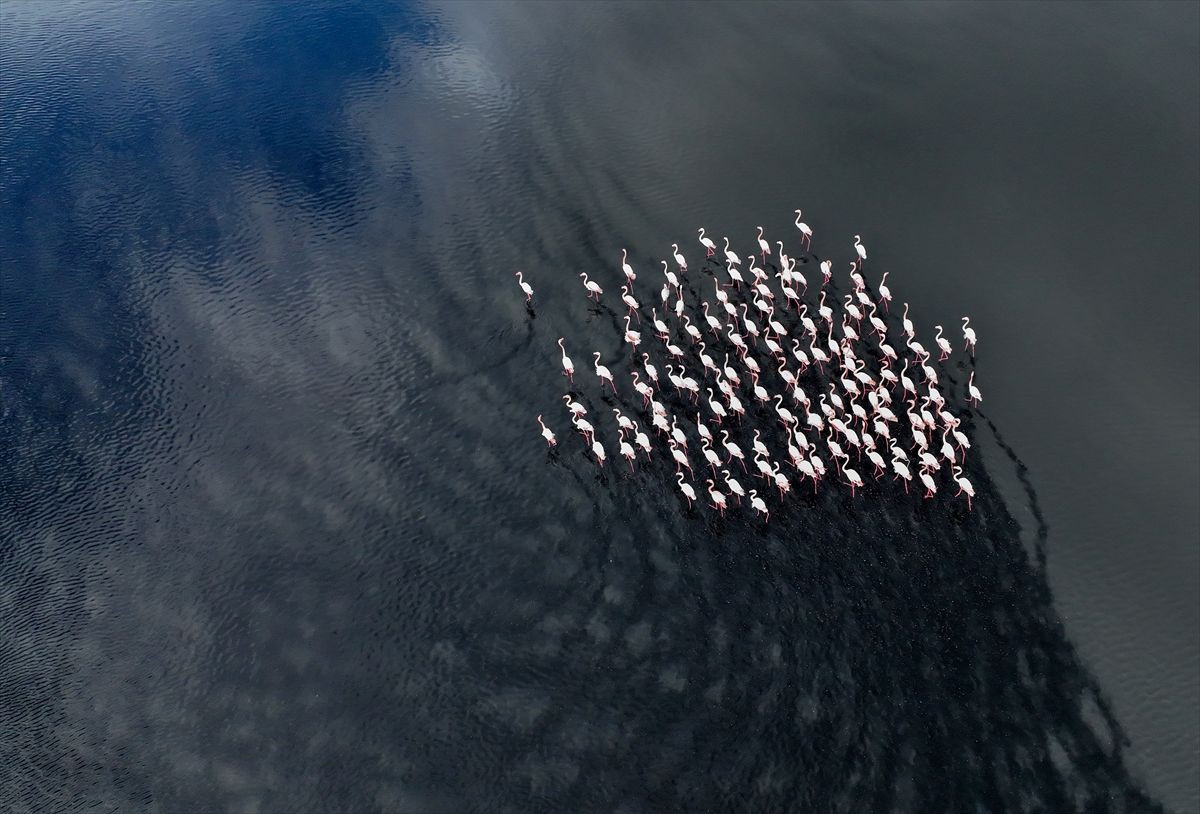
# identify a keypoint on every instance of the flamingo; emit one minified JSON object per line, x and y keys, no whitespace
{"x":628,"y":452}
{"x":751,"y":326}
{"x":623,"y":421}
{"x":736,"y":339}
{"x":824,"y":311}
{"x":526,"y":287}
{"x":651,"y":370}
{"x":593,"y":289}
{"x":702,"y":429}
{"x":826,"y":270}
{"x":730,"y":256}
{"x":797,"y":276}
{"x":976,"y":396}
{"x":646,"y":391}
{"x":927,"y":481}
{"x":681,"y":460}
{"x":691,"y":329}
{"x":885,"y":294}
{"x":901,"y":470}
{"x":804,"y":228}
{"x":788,"y":377}
{"x":631,"y":303}
{"x":733,"y":449}
{"x":718,"y":499}
{"x":968,"y":335}
{"x":763,"y":246}
{"x":734,"y":274}
{"x":877,"y":459}
{"x":909,"y":331}
{"x":679,"y":259}
{"x":757,"y":504}
{"x":730,"y":373}
{"x":603,"y":372}
{"x":575,"y":407}
{"x":752,"y":366}
{"x":964,"y":485}
{"x":716,"y":407}
{"x":678,"y":434}
{"x":943,"y":344}
{"x":856,"y":278}
{"x":860,"y":248}
{"x":642,"y":439}
{"x":765,"y":470}
{"x":598,"y":451}
{"x":734,"y":486}
{"x":783,"y":483}
{"x":714,"y":460}
{"x":686,"y":488}
{"x":853,"y":478}
{"x":660,"y":327}
{"x":852,"y":309}
{"x":672,"y":280}
{"x":547,"y":433}
{"x":800,"y":355}
{"x":625,"y":267}
{"x":759,"y":447}
{"x":785,"y":415}
{"x":632,"y":337}
{"x":707,"y":243}
{"x":877,"y":323}
{"x":568,"y":367}
{"x":714,"y":324}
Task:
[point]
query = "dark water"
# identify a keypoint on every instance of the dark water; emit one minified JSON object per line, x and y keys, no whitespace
{"x":277,"y":532}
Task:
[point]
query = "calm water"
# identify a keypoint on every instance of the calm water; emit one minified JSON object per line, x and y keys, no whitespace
{"x":277,"y":532}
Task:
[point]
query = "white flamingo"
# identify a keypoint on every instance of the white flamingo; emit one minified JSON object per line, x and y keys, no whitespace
{"x":568,"y":367}
{"x":885,"y":293}
{"x":804,"y":228}
{"x":964,"y":485}
{"x":672,"y":280}
{"x":679,"y":259}
{"x":686,"y":488}
{"x":651,"y":370}
{"x":943,"y":344}
{"x":757,"y":504}
{"x":734,"y":486}
{"x":730,"y":256}
{"x":976,"y":396}
{"x":625,"y":267}
{"x":968,"y":335}
{"x":630,"y":303}
{"x":763,"y":246}
{"x":718,"y":499}
{"x":547,"y":433}
{"x":526,"y":287}
{"x":593,"y":288}
{"x":603,"y":372}
{"x":734,"y":274}
{"x":707,"y":243}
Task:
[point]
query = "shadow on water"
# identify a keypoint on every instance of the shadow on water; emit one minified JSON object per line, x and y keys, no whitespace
{"x":877,"y":653}
{"x":705,"y":664}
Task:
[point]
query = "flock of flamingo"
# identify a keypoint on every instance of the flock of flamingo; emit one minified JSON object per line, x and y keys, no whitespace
{"x":838,"y":386}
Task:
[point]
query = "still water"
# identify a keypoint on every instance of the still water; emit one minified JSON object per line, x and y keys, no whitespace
{"x":278,"y":533}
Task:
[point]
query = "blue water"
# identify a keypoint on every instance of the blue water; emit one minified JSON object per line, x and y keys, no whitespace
{"x":277,"y":531}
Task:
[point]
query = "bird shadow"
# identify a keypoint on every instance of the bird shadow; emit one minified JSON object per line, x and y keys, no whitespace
{"x":880,"y":652}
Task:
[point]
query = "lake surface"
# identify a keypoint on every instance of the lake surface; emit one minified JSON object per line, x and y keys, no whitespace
{"x":278,"y":533}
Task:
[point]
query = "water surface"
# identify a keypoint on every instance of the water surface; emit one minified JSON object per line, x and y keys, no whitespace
{"x":278,"y":532}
